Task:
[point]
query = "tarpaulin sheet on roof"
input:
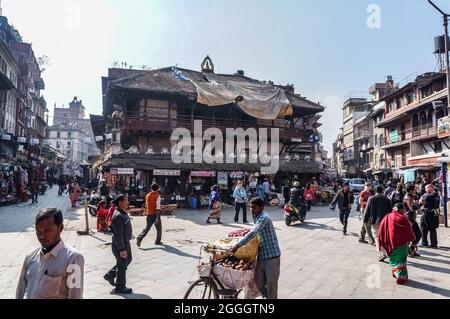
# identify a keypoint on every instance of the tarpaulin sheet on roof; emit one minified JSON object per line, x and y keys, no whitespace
{"x":259,"y":100}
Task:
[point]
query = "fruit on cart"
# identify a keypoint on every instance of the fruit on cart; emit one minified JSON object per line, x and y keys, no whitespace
{"x":239,"y":233}
{"x":237,"y":264}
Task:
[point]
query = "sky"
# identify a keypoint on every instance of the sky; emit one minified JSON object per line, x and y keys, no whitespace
{"x":326,"y":48}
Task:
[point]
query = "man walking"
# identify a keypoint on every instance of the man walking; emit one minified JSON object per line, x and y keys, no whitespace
{"x":55,"y":270}
{"x":377,"y":208}
{"x":122,"y":234}
{"x":428,"y":221}
{"x":344,"y":198}
{"x":34,"y":189}
{"x":153,"y":211}
{"x":241,"y":198}
{"x":389,"y":190}
{"x":268,"y":264}
{"x":365,"y":228}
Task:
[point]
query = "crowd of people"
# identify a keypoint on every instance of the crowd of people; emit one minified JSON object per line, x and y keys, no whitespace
{"x":389,"y":219}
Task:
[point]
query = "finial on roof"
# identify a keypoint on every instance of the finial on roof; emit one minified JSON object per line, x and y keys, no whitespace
{"x":207,"y":65}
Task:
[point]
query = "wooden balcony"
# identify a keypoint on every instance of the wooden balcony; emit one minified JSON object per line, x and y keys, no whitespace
{"x":134,"y":122}
{"x":413,"y":134}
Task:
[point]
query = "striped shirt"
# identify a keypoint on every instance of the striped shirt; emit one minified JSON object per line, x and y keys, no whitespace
{"x":269,"y":247}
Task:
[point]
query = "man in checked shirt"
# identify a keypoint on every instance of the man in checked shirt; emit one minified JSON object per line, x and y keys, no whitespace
{"x":268,"y":265}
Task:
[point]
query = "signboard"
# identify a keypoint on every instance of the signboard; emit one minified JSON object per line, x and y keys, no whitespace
{"x":166,"y":172}
{"x":222,"y":179}
{"x":109,"y":136}
{"x":393,"y":136}
{"x":99,"y":138}
{"x":6,"y":137}
{"x":444,"y":127}
{"x":122,"y":171}
{"x":203,"y":174}
{"x":125,"y":171}
{"x":21,"y":139}
{"x":34,"y":141}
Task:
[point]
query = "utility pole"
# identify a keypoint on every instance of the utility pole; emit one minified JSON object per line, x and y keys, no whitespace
{"x":447,"y":70}
{"x":447,"y":48}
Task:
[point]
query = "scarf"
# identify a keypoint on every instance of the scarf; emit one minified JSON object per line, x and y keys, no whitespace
{"x":395,"y":231}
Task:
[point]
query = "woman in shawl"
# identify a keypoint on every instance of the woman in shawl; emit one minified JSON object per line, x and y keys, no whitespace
{"x":74,"y":192}
{"x":395,"y":234}
{"x":102,"y":214}
{"x":214,"y":205}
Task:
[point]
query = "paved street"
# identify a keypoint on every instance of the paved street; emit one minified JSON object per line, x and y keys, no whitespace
{"x":317,"y":262}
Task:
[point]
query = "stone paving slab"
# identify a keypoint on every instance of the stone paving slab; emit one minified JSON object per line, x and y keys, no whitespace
{"x":317,"y":260}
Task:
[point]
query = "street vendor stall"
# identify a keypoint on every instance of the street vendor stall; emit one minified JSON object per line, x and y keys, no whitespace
{"x":202,"y":181}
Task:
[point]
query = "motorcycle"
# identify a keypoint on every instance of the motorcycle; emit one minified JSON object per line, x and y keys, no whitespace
{"x":293,"y":214}
{"x":94,"y":200}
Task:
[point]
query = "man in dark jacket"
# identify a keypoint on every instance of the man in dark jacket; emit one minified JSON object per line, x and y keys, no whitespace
{"x":377,"y":208}
{"x":389,"y":189}
{"x":429,"y":222}
{"x":122,"y":234}
{"x":344,"y":198}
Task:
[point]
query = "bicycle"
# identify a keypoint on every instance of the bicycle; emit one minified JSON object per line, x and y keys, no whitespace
{"x":210,"y":287}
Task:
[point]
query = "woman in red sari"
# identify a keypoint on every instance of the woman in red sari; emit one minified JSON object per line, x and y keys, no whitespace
{"x":102,"y":214}
{"x":395,"y":234}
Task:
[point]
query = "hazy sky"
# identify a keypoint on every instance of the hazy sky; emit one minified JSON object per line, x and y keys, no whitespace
{"x":324,"y":47}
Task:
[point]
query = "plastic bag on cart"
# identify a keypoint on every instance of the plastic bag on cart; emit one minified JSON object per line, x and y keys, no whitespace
{"x":233,"y":279}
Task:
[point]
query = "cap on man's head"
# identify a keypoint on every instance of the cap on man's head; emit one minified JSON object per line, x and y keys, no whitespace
{"x":346,"y":184}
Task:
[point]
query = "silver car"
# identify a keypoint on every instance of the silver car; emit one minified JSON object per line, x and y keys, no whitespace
{"x":357,"y":185}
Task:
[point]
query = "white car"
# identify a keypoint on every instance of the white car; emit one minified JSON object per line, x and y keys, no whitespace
{"x":357,"y":185}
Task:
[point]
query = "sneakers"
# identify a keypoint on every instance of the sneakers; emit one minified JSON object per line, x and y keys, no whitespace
{"x":381,"y":258}
{"x":109,"y":279}
{"x":159,"y":243}
{"x":122,"y":291}
{"x":363,"y":241}
{"x":139,"y":241}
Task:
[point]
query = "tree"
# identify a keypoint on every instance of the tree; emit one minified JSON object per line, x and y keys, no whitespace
{"x":43,"y":62}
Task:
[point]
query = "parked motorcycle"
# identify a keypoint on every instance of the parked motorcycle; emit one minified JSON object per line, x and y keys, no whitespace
{"x":293,"y":214}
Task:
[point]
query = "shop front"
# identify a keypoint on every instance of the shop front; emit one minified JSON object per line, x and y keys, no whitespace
{"x":202,"y":182}
{"x":171,"y":187}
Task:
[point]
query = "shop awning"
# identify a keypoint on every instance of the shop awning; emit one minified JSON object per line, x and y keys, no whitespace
{"x":383,"y":171}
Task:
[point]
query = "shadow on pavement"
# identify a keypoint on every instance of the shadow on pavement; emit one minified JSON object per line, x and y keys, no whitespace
{"x":134,"y":296}
{"x":420,"y":285}
{"x":434,"y":260}
{"x":312,"y":225}
{"x":429,"y":267}
{"x":171,"y":250}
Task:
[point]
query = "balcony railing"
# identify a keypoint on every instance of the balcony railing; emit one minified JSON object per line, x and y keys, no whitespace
{"x":424,"y":131}
{"x":136,"y":122}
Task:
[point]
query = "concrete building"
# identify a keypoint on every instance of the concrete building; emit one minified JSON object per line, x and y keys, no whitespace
{"x":412,"y":143}
{"x":354,"y":109}
{"x":72,"y":135}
